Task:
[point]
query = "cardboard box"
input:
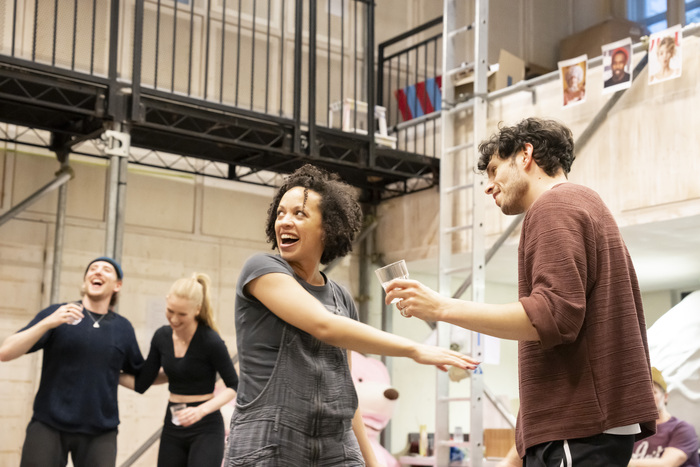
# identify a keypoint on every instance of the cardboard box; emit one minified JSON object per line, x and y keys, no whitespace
{"x":347,"y":110}
{"x":592,"y":39}
{"x":510,"y":70}
{"x":533,"y":70}
{"x":498,"y":441}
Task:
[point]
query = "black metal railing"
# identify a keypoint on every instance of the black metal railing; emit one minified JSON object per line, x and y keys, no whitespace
{"x":50,"y":34}
{"x":260,"y":84}
{"x":244,"y":54}
{"x":227,"y":51}
{"x":408,"y":86}
{"x":77,"y":38}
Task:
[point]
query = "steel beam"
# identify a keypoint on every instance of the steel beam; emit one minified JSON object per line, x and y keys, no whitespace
{"x":59,"y":235}
{"x":63,"y":175}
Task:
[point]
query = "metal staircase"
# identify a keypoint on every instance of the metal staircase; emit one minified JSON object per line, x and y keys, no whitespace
{"x":462,"y":208}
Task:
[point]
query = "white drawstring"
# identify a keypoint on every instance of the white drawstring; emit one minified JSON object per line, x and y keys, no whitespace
{"x":567,"y":456}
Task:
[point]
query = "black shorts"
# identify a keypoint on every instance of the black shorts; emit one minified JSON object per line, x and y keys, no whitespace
{"x":603,"y":450}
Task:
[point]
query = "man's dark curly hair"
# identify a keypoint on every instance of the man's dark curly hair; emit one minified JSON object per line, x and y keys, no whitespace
{"x":552,"y":144}
{"x":342,"y":215}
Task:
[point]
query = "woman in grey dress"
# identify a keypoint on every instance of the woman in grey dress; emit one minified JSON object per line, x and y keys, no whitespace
{"x":296,"y":403}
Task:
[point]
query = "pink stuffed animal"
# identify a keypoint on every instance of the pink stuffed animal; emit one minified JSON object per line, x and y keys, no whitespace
{"x":376,"y":399}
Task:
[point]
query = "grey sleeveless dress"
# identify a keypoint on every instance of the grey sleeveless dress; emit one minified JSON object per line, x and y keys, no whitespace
{"x":303,"y":416}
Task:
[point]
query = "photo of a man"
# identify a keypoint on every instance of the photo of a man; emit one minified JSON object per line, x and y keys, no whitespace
{"x":617,"y":61}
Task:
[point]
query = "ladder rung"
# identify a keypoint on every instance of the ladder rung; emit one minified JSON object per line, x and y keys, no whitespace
{"x":457,"y":228}
{"x":464,"y":444}
{"x":454,"y":32}
{"x":464,"y":66}
{"x":461,"y":106}
{"x":459,"y":147}
{"x":455,"y":270}
{"x":454,"y":399}
{"x":458,"y":187}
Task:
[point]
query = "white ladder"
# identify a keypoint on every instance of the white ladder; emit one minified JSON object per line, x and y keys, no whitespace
{"x":462,"y":202}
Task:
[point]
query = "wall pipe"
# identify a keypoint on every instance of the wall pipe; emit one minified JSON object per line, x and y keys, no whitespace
{"x":360,"y":238}
{"x":143,"y":448}
{"x":111,"y":214}
{"x":62,"y":177}
{"x":502,"y":409}
{"x":59,"y":235}
{"x":118,"y":150}
{"x":121,"y":209}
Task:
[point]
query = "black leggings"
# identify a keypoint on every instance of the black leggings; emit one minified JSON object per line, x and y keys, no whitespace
{"x":47,"y":447}
{"x":198,"y":445}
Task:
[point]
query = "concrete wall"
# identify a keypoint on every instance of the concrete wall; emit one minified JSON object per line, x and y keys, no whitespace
{"x":639,"y":161}
{"x":640,"y":147}
{"x":175,"y":224}
{"x":530,"y":29}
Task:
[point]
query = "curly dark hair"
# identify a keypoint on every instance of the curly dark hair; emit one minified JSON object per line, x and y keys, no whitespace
{"x":342,"y":214}
{"x":552,"y":144}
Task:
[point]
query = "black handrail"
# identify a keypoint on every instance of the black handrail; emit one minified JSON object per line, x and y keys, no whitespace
{"x":411,"y":65}
{"x":177,"y":72}
{"x":394,"y":40}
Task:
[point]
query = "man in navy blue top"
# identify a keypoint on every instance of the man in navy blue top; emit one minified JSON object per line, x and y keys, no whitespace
{"x":86,"y":346}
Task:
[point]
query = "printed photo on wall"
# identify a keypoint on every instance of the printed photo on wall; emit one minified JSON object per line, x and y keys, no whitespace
{"x":617,"y":65}
{"x":665,"y":58}
{"x":573,"y":79}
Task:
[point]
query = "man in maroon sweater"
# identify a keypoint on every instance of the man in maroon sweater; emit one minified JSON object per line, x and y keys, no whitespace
{"x":584,"y":374}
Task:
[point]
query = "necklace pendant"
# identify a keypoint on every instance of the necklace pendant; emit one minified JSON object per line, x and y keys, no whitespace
{"x":96,"y":325}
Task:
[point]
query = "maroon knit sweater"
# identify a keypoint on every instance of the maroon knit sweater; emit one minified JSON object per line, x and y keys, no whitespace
{"x":590,"y":370}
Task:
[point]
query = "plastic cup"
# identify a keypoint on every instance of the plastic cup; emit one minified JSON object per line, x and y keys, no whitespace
{"x":77,"y":320}
{"x":174,"y":409}
{"x":386,"y":274}
{"x":459,"y":435}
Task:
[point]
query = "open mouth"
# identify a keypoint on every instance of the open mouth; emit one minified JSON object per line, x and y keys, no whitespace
{"x":97,"y":282}
{"x":288,"y":239}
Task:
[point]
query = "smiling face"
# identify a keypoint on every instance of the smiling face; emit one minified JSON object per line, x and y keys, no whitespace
{"x":181,"y":312}
{"x":506,"y":184}
{"x":664,"y":53}
{"x":619,"y":61}
{"x":101,"y":281}
{"x":299,"y":227}
{"x":574,"y":78}
{"x":573,"y":82}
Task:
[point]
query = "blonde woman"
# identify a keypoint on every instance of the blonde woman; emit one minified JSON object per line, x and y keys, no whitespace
{"x":191,"y":353}
{"x":665,"y":51}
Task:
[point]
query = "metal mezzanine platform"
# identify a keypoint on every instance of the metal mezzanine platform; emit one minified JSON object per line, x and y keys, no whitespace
{"x":76,"y":105}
